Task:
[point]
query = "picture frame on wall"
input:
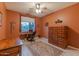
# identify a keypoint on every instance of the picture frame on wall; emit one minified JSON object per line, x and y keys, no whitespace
{"x":0,"y":19}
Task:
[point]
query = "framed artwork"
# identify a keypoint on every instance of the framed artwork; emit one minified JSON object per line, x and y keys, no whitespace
{"x":0,"y":19}
{"x":58,"y":21}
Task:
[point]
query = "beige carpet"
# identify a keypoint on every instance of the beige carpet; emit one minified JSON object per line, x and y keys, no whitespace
{"x":39,"y":48}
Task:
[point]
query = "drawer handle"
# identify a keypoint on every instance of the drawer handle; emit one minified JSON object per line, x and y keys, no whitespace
{"x":5,"y":53}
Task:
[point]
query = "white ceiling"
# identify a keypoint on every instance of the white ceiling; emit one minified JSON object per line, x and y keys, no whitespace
{"x":29,"y":7}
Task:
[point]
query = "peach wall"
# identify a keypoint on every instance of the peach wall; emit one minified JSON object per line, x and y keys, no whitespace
{"x":38,"y":25}
{"x":8,"y":16}
{"x":70,"y":18}
{"x":3,"y":27}
{"x":13,"y":17}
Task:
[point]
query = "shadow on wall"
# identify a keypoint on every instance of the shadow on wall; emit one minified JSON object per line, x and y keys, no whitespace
{"x":73,"y":38}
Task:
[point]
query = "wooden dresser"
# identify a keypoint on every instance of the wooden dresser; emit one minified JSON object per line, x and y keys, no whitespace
{"x":58,"y":36}
{"x":10,"y":47}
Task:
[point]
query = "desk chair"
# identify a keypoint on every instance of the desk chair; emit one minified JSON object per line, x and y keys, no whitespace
{"x":31,"y":36}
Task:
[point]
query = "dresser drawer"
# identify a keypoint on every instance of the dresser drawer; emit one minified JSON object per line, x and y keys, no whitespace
{"x":10,"y":51}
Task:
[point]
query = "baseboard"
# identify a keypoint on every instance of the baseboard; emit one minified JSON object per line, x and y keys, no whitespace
{"x":73,"y":47}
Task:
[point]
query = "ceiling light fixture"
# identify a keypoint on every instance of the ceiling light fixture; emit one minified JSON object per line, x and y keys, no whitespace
{"x":38,"y":10}
{"x":38,"y":6}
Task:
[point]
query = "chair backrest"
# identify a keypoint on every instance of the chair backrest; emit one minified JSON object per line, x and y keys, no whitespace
{"x":34,"y":33}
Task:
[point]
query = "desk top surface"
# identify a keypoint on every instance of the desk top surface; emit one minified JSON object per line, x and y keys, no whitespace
{"x":26,"y":33}
{"x":9,"y":43}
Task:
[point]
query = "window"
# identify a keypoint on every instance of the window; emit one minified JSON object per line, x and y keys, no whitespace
{"x":26,"y":26}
